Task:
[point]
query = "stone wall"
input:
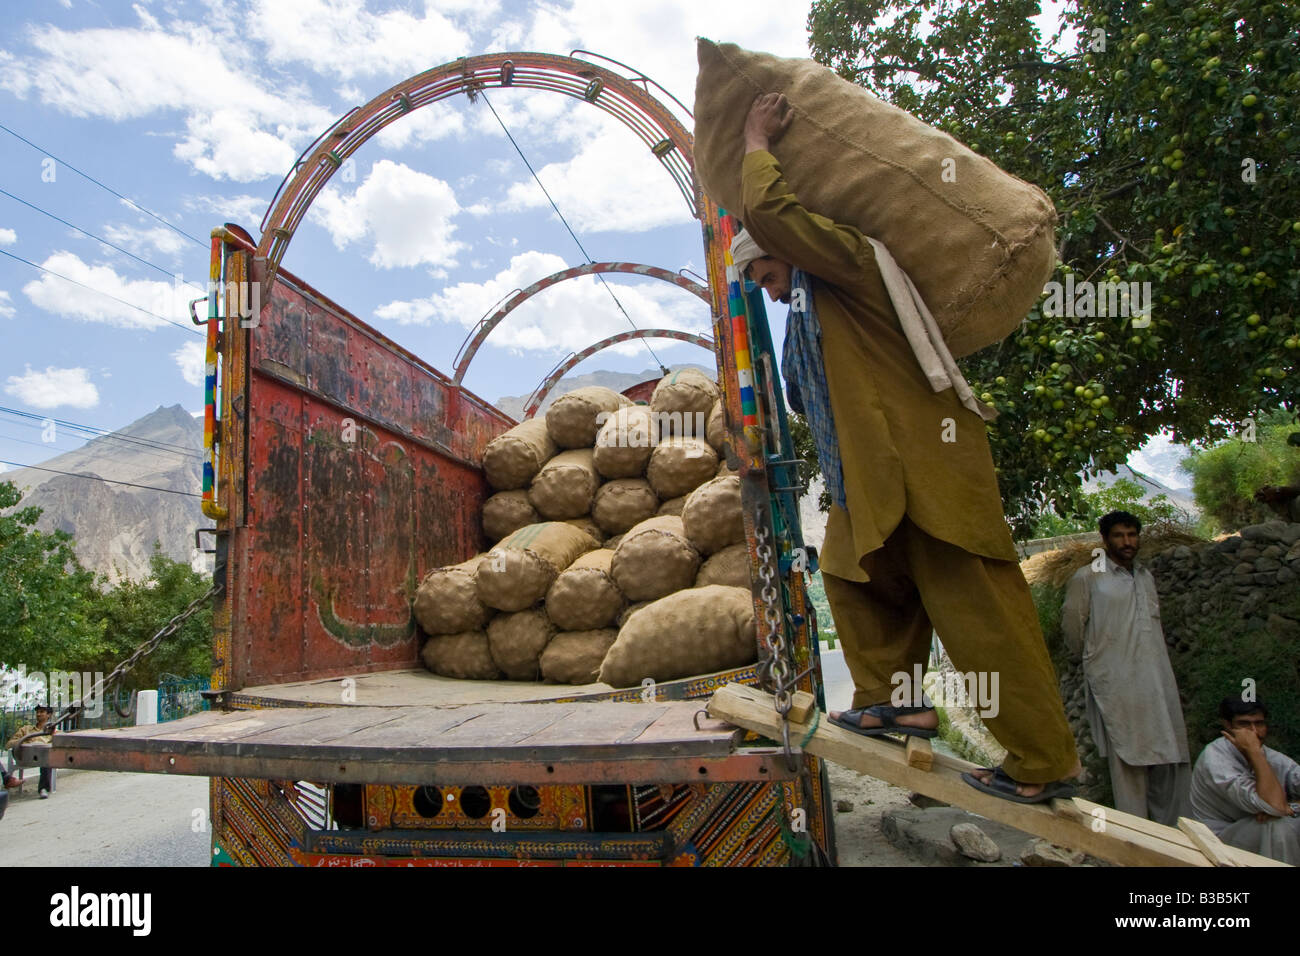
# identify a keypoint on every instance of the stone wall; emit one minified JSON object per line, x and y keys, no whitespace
{"x":1230,"y":610}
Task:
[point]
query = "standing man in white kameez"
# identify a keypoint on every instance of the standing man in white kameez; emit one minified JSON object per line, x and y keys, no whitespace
{"x":1111,"y":619}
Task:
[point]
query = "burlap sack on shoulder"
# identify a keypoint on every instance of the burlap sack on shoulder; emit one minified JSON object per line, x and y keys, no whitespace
{"x":584,"y":595}
{"x":729,"y":567}
{"x":565,"y":485}
{"x":715,"y":429}
{"x":573,"y":419}
{"x":465,"y":656}
{"x":624,"y":442}
{"x":512,"y":458}
{"x":622,"y":503}
{"x":680,"y":465}
{"x":655,"y":558}
{"x":574,"y":657}
{"x":517,"y":572}
{"x":988,"y":245}
{"x":507,"y":511}
{"x":517,"y":641}
{"x":447,"y":600}
{"x":683,"y":635}
{"x":713,"y":516}
{"x":682,"y":401}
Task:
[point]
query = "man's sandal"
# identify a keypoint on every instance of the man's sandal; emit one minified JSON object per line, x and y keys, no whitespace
{"x":1003,"y":786}
{"x":887,"y":715}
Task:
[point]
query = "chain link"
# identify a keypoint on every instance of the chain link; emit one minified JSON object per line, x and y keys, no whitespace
{"x":103,"y":685}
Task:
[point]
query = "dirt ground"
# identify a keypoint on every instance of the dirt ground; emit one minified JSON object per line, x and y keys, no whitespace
{"x":858,"y":839}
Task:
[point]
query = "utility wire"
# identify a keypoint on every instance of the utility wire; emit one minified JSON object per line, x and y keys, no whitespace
{"x":96,"y":432}
{"x":125,"y":252}
{"x":130,"y":202}
{"x":100,"y":292}
{"x":111,"y":481}
{"x":663,"y":368}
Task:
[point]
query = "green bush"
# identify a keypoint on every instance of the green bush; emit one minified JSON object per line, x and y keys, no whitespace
{"x":1226,"y":476}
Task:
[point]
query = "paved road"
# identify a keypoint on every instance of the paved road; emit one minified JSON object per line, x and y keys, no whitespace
{"x":107,"y":819}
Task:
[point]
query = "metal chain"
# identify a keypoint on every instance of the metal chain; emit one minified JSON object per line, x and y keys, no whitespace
{"x":122,"y":669}
{"x":778,"y":669}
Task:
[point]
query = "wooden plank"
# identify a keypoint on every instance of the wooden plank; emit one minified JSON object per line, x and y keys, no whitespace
{"x":1141,"y":824}
{"x":751,"y":708}
{"x":801,"y":706}
{"x":1206,"y":841}
{"x":587,"y":724}
{"x":678,"y":723}
{"x":207,"y":726}
{"x":415,"y":727}
{"x":919,"y":753}
{"x":1067,"y":808}
{"x":336,"y":723}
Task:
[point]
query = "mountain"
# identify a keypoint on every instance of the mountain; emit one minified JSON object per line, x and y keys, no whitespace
{"x":114,"y":523}
{"x":1151,"y":487}
{"x":513,"y":405}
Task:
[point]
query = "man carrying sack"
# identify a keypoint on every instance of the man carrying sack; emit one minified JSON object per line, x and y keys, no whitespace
{"x":916,"y":536}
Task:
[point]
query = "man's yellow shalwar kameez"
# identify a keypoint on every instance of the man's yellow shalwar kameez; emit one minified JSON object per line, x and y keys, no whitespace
{"x":923,"y":542}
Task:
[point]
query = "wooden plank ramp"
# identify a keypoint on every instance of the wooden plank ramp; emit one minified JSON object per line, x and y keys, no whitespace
{"x":1100,"y":831}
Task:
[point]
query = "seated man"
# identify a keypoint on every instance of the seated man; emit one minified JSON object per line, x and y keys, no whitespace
{"x":43,"y":715}
{"x":1240,"y":788}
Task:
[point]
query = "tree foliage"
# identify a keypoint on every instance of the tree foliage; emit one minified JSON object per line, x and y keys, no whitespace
{"x":1124,"y":495}
{"x":1226,"y":476}
{"x":1166,"y":139}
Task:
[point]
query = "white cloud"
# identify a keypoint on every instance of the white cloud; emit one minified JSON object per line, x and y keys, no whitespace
{"x":189,"y":359}
{"x":614,"y":183}
{"x":344,"y":39}
{"x":425,"y":125}
{"x":7,"y":310}
{"x":63,"y":298}
{"x":167,"y":241}
{"x":54,"y":387}
{"x":407,"y":214}
{"x":242,"y":210}
{"x":238,"y":123}
{"x":8,"y":237}
{"x":570,"y":315}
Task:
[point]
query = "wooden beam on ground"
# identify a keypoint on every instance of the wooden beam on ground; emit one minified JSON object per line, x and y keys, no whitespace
{"x":919,"y":753}
{"x":1110,"y":835}
{"x":1206,"y":841}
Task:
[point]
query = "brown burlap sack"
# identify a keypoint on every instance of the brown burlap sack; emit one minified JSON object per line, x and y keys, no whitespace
{"x":573,"y":657}
{"x":673,"y":506}
{"x":565,"y":485}
{"x":447,"y":600}
{"x":682,"y":635}
{"x":680,"y":465}
{"x":507,"y":511}
{"x":729,"y":566}
{"x":612,"y":543}
{"x":572,"y":421}
{"x":682,"y":401}
{"x":715,"y":429}
{"x":584,"y":595}
{"x":465,"y":656}
{"x":632,"y":609}
{"x":517,"y":572}
{"x":654,"y":558}
{"x":624,"y":442}
{"x":713,"y":517}
{"x":587,"y":525}
{"x":989,"y":242}
{"x":622,"y":503}
{"x":517,"y":641}
{"x":511,"y":459}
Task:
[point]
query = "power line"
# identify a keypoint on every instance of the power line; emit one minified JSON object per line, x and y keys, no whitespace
{"x":100,"y":292}
{"x":111,"y":481}
{"x":96,"y":432}
{"x":110,"y":189}
{"x":125,"y":252}
{"x":583,"y":250}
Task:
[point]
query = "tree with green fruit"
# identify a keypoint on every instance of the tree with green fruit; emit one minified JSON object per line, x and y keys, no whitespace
{"x":1165,"y":135}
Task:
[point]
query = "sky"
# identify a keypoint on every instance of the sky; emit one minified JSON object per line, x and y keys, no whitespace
{"x":149,"y":123}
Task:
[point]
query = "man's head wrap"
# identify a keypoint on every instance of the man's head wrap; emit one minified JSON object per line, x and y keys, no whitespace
{"x":744,"y":250}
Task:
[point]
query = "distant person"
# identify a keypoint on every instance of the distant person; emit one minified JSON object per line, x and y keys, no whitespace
{"x":1241,"y":789}
{"x":1111,"y":620}
{"x":43,"y":715}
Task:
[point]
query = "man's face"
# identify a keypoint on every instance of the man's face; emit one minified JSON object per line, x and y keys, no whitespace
{"x":1256,"y":722}
{"x":1122,"y":543}
{"x":773,"y":276}
{"x":42,"y":716}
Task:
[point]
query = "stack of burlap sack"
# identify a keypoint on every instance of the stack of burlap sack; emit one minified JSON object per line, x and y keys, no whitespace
{"x":619,"y":548}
